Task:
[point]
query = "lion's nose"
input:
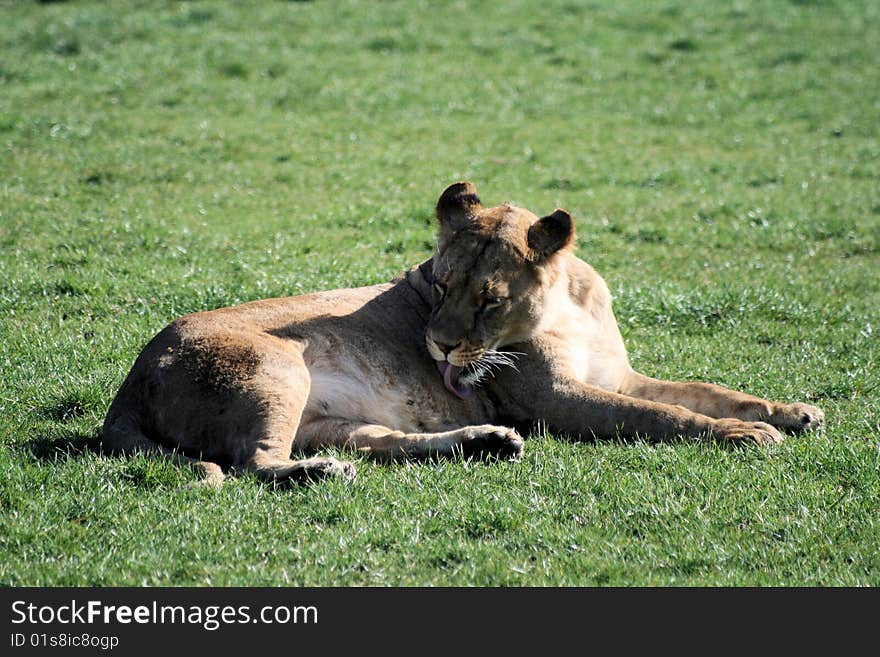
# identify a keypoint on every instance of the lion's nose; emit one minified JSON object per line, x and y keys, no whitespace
{"x":446,"y":348}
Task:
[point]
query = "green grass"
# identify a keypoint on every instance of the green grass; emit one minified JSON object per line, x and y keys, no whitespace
{"x":722,"y":161}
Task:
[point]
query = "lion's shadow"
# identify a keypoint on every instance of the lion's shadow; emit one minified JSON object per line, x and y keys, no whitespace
{"x":68,"y":445}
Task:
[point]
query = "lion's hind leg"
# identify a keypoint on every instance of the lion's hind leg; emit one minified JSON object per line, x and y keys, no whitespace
{"x":384,"y":444}
{"x":205,"y":402}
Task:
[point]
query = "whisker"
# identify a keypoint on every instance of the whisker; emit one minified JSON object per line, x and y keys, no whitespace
{"x":501,"y":358}
{"x":489,"y":362}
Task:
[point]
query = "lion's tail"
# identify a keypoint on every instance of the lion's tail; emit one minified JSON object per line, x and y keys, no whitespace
{"x":122,"y":435}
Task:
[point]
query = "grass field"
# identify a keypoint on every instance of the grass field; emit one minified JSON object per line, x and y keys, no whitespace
{"x":722,"y":160}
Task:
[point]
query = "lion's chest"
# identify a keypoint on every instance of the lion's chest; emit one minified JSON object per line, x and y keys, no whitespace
{"x":591,"y":348}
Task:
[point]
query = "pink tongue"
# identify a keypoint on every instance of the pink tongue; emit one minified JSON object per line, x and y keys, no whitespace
{"x":450,"y":380}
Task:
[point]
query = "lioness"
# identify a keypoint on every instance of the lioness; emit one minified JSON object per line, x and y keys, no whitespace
{"x":504,"y":326}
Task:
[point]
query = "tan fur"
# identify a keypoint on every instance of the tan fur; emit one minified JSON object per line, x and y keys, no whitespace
{"x":244,"y":387}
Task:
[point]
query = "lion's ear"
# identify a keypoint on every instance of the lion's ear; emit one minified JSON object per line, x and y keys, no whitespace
{"x":550,"y":234}
{"x":458,"y":205}
{"x":426,"y":269}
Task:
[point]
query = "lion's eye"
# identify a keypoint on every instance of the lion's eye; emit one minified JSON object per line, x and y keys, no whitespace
{"x":492,"y":302}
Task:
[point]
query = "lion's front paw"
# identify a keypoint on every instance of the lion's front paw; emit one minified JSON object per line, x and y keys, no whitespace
{"x":740,"y":432}
{"x":488,"y":440}
{"x":797,"y":417}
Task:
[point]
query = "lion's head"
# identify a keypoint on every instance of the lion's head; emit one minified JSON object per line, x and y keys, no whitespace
{"x":492,"y":271}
